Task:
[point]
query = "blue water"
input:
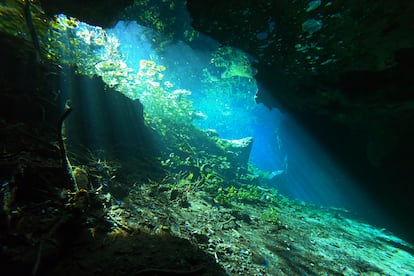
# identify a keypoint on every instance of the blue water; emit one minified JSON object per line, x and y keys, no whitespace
{"x":228,"y":103}
{"x":295,"y":164}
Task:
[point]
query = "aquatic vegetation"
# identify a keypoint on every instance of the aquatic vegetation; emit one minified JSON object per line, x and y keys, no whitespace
{"x":88,"y":48}
{"x":242,"y":193}
{"x":165,"y":111}
{"x":94,"y":52}
{"x":27,"y":23}
{"x":234,"y":63}
{"x":165,"y":18}
{"x":270,"y":215}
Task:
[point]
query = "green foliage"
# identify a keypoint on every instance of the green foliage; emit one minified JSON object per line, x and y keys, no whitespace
{"x":209,"y":167}
{"x":231,"y":194}
{"x":165,"y":17}
{"x":158,"y":16}
{"x":221,"y":197}
{"x":94,"y":52}
{"x":250,"y":195}
{"x":182,"y":180}
{"x":168,"y":111}
{"x":15,"y":18}
{"x":234,"y":62}
{"x":89,"y":48}
{"x":270,"y":215}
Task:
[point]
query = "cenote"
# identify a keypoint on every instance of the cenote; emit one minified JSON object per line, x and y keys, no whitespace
{"x":168,"y":137}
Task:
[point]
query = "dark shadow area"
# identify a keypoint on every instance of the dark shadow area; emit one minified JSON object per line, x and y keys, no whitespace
{"x":95,"y":12}
{"x":45,"y":227}
{"x":105,"y":125}
{"x":387,"y":183}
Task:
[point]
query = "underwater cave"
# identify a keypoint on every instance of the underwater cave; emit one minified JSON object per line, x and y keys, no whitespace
{"x":182,"y":137}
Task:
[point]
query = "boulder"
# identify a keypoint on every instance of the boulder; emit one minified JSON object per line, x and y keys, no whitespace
{"x":238,"y":150}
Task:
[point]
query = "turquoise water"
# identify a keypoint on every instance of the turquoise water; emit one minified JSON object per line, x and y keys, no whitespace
{"x":166,"y":161}
{"x":213,"y":88}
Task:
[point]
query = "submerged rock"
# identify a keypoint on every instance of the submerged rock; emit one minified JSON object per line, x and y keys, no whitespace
{"x":239,"y":149}
{"x":311,"y":26}
{"x":313,"y":5}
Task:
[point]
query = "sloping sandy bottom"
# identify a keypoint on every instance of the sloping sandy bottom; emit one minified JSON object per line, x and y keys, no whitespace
{"x":299,"y":239}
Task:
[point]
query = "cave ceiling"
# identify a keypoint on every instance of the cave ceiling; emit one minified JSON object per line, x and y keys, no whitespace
{"x":342,"y":58}
{"x":349,"y":60}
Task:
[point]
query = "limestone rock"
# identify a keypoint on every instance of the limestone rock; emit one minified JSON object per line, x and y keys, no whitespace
{"x":238,"y":150}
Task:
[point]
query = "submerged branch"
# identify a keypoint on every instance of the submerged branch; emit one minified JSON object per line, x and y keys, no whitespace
{"x":66,"y":166}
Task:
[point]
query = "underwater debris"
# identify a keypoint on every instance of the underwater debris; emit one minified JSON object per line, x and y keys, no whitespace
{"x":80,"y":176}
{"x":65,"y":160}
{"x":79,"y":200}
